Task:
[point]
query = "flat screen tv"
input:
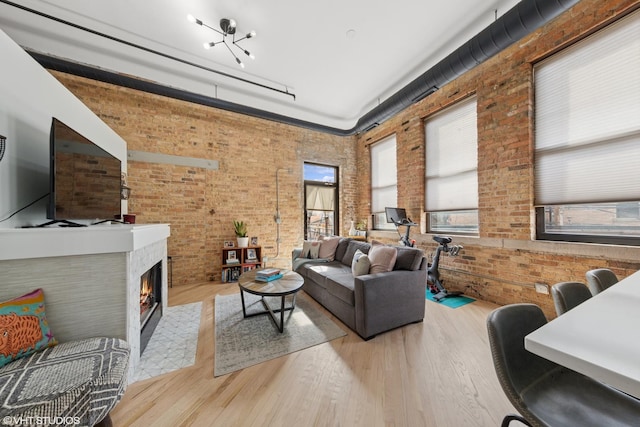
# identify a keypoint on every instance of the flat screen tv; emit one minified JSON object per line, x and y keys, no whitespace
{"x":85,"y":180}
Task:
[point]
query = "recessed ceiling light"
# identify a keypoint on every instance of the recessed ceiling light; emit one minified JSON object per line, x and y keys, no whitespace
{"x":351,"y":34}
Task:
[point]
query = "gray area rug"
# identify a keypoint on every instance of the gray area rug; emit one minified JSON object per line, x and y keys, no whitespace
{"x":241,"y":342}
{"x":174,"y":342}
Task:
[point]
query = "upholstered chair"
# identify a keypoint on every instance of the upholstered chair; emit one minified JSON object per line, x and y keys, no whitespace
{"x":545,"y":393}
{"x":600,"y":279}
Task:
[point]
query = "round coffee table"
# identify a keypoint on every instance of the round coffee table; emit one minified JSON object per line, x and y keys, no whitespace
{"x":289,"y":284}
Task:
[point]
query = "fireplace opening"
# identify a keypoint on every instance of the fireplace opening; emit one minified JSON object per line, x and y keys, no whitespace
{"x":150,"y":303}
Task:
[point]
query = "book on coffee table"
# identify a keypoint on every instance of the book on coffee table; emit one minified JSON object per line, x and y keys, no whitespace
{"x":268,"y":278}
{"x":267,"y":272}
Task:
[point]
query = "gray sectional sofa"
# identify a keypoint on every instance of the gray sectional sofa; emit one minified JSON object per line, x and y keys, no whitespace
{"x":372,"y":303}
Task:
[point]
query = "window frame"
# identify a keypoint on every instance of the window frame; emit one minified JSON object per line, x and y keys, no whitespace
{"x":475,"y":231}
{"x":572,"y":52}
{"x":378,"y":217}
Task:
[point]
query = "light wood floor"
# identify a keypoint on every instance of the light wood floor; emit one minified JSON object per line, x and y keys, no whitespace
{"x":435,"y":373}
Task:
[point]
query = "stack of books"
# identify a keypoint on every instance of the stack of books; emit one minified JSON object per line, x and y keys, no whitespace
{"x":268,"y":274}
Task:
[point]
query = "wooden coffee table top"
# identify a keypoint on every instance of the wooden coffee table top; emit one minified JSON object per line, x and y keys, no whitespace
{"x":289,"y":283}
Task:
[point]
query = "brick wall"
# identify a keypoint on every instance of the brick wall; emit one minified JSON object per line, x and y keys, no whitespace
{"x":504,"y":262}
{"x":501,"y":265}
{"x":200,"y":204}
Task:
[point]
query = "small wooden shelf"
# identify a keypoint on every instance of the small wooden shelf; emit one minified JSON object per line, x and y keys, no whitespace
{"x":247,"y":258}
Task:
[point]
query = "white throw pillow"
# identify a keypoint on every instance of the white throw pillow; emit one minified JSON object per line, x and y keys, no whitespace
{"x":310,"y":249}
{"x":360,"y":264}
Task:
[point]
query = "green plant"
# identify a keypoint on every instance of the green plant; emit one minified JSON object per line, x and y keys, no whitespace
{"x":240,"y":228}
{"x":362,"y":225}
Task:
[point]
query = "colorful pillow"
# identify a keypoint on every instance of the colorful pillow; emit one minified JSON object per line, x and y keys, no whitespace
{"x":382,"y":257}
{"x":328,"y":247}
{"x":23,"y":327}
{"x":310,"y":249}
{"x":360,"y":264}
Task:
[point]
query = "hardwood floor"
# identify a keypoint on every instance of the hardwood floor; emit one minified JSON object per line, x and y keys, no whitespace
{"x":435,"y":373}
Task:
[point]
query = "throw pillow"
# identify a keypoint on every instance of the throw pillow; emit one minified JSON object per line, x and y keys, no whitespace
{"x":382,"y":257}
{"x":23,"y":327}
{"x":328,"y":247}
{"x":310,"y":249}
{"x":360,"y":264}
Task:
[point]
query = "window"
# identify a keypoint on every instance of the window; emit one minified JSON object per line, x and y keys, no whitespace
{"x":587,"y":138}
{"x":451,"y":182}
{"x":384,"y":181}
{"x":321,"y":200}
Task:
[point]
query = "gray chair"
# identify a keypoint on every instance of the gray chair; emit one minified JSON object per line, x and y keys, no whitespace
{"x":545,"y":393}
{"x":600,"y":279}
{"x":567,"y":295}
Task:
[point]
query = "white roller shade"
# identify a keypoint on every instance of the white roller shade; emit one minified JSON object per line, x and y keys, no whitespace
{"x":587,"y":118}
{"x":384,"y":176}
{"x":452,"y":158}
{"x":320,"y":198}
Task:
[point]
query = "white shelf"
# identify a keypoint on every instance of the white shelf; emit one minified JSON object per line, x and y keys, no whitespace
{"x":24,"y":243}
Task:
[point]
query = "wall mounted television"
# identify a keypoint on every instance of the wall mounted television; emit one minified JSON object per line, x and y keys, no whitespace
{"x":84,"y":179}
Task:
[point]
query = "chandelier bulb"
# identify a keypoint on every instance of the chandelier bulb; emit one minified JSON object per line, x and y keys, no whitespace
{"x":249,"y":54}
{"x":208,"y":45}
{"x":232,"y":23}
{"x":251,"y":34}
{"x":193,"y":19}
{"x":239,"y":62}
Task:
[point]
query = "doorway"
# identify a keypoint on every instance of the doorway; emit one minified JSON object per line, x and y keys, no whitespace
{"x":321,"y":200}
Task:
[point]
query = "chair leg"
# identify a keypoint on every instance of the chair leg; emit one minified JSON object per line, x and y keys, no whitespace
{"x":512,"y":417}
{"x":106,"y":422}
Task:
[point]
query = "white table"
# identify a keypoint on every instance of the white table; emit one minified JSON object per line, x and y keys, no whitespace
{"x":599,"y":338}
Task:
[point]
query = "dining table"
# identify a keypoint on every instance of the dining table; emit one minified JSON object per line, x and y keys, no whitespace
{"x":599,"y":338}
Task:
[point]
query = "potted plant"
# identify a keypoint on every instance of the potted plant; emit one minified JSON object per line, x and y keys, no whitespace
{"x":241,"y":233}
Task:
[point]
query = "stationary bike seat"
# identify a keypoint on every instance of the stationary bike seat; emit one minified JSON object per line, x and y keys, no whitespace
{"x":442,"y":240}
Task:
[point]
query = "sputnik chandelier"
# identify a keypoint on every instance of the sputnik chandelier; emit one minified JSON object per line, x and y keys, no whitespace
{"x":228,"y":27}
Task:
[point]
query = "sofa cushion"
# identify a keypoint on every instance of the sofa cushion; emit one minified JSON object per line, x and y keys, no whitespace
{"x":352,"y":247}
{"x":342,"y":247}
{"x":382,"y":257}
{"x":310,"y":249}
{"x":360,"y":264}
{"x":328,"y":247}
{"x":320,"y":272}
{"x":341,"y":286}
{"x":23,"y":327}
{"x":408,"y":259}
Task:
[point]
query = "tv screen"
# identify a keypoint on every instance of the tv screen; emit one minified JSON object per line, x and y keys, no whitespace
{"x":395,"y":215}
{"x":85,"y":180}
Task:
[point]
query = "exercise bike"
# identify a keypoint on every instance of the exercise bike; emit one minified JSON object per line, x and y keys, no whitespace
{"x":433,"y":275}
{"x":404,"y":239}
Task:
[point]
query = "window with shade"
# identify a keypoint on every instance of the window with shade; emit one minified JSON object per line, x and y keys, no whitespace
{"x":451,"y":181}
{"x":384,"y":181}
{"x":587,"y":138}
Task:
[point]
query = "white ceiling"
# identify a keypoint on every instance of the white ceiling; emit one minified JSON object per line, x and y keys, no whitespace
{"x":301,"y":46}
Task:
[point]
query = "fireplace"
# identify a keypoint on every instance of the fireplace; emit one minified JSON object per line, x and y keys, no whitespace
{"x":150,"y":303}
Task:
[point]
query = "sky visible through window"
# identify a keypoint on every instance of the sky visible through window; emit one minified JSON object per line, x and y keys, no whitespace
{"x":319,"y":173}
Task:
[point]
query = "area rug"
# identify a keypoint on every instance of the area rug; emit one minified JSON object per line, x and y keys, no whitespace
{"x":241,"y":342}
{"x":173,"y":343}
{"x":452,"y":302}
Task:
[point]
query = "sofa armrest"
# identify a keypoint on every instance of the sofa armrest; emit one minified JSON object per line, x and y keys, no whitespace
{"x":385,"y":301}
{"x":295,"y":253}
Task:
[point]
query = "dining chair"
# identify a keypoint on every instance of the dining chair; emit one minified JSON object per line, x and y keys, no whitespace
{"x":567,"y":295}
{"x":544,"y":393}
{"x":600,"y":279}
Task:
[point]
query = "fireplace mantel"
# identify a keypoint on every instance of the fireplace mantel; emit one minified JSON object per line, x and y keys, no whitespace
{"x":90,"y":276}
{"x":23,"y":243}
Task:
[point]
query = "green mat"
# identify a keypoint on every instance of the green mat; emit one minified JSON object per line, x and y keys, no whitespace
{"x":452,"y":302}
